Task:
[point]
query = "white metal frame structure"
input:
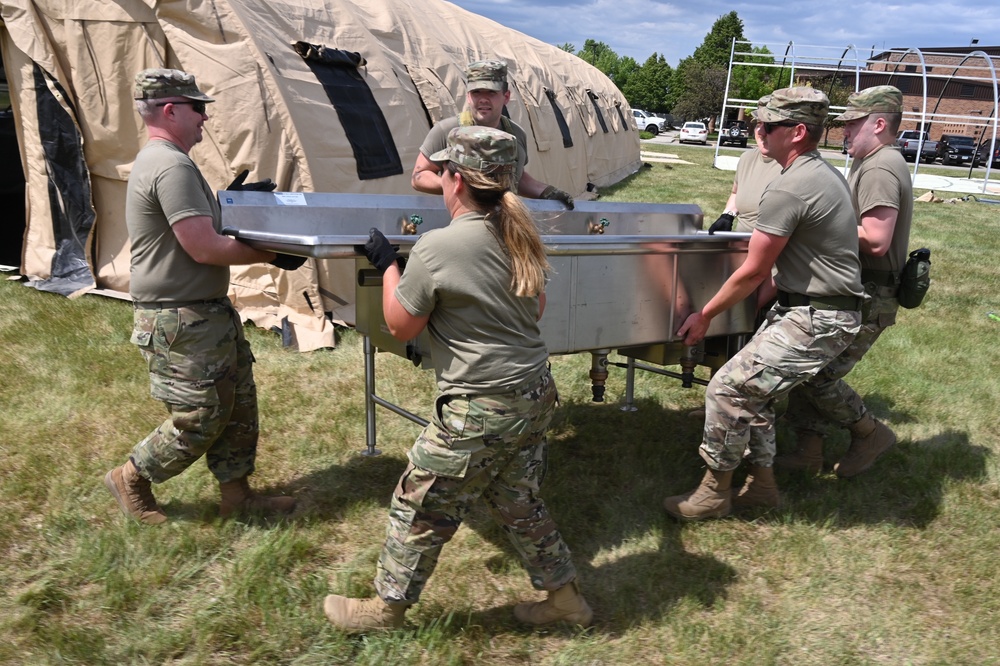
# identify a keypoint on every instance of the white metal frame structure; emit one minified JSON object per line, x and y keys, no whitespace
{"x":826,"y":58}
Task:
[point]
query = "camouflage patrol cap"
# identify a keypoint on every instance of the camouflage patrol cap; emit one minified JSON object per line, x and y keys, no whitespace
{"x":160,"y":83}
{"x":761,"y":103}
{"x":878,"y":99}
{"x":801,"y":104}
{"x":479,"y":148}
{"x":487,"y":75}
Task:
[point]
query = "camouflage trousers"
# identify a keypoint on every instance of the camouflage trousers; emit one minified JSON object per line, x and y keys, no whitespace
{"x":788,"y":350}
{"x":201,"y":368}
{"x":828,"y":399}
{"x":489,"y":447}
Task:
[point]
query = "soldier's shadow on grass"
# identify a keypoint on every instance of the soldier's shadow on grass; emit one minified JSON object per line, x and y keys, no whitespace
{"x":329,"y":491}
{"x":325,"y":492}
{"x":608,"y":472}
{"x":904,"y":487}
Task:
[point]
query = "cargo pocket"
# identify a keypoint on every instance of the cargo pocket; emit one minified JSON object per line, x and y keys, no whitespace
{"x":179,"y":391}
{"x":786,"y":346}
{"x":446,"y":445}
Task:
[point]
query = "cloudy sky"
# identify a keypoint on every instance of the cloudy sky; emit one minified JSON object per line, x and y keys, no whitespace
{"x":674,"y":29}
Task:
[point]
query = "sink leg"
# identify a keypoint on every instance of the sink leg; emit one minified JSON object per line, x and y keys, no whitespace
{"x":629,"y":405}
{"x":369,"y":398}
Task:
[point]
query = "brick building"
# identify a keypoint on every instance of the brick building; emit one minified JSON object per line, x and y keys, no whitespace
{"x":960,"y":86}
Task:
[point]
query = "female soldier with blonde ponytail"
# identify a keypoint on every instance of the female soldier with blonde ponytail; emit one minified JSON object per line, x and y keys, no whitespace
{"x":477,"y":285}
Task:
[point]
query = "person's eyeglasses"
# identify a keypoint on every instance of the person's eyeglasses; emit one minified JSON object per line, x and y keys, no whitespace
{"x":197,"y":107}
{"x":769,"y":127}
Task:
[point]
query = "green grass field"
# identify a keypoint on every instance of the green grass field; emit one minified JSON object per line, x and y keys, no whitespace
{"x":898,"y":566}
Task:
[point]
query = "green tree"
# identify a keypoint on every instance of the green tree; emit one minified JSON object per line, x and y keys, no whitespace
{"x":598,"y":54}
{"x":714,"y":51}
{"x":646,"y":87}
{"x":698,"y":85}
{"x":624,"y":70}
{"x":753,"y":81}
{"x":568,"y":48}
{"x":604,"y":58}
{"x":704,"y":89}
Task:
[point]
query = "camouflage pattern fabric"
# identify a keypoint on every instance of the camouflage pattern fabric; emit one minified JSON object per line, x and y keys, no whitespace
{"x":486,"y":75}
{"x":480,"y":148}
{"x":201,"y":368}
{"x":828,"y":399}
{"x":877,"y":99}
{"x":789,"y":349}
{"x":799,"y":104}
{"x":484,"y":447}
{"x":158,"y":83}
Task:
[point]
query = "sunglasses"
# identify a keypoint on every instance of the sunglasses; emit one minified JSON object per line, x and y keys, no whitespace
{"x":769,"y":127}
{"x":197,"y":107}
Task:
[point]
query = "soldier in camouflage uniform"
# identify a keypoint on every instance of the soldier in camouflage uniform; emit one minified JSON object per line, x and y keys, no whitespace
{"x":805,"y":232}
{"x":883,"y":198}
{"x":477,"y":287}
{"x":487,"y":96}
{"x":200,"y":365}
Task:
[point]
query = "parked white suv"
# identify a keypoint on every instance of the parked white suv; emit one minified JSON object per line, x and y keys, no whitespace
{"x":648,"y":122}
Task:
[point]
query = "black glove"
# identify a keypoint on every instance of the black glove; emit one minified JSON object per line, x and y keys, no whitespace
{"x":266,"y":185}
{"x":724,"y":223}
{"x":555,"y":194}
{"x":287,"y":262}
{"x":380,"y":252}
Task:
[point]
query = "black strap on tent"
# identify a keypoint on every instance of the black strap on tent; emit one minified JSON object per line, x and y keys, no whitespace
{"x":597,"y":110}
{"x":563,"y":127}
{"x":621,"y":116}
{"x":364,"y":124}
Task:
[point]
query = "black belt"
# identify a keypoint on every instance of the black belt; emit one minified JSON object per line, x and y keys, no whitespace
{"x":790,"y":300}
{"x":879,"y":278}
{"x":173,"y":305}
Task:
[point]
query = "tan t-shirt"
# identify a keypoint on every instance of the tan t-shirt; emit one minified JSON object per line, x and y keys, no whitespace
{"x":883,"y":179}
{"x":484,"y":339}
{"x":753,"y":173}
{"x":165,"y":186}
{"x":437,"y":139}
{"x":810,"y":204}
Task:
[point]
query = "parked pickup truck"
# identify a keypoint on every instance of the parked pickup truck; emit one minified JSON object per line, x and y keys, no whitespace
{"x":909,"y":142}
{"x":956,"y":149}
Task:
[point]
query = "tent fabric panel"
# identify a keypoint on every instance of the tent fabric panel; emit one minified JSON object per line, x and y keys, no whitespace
{"x":111,"y":260}
{"x":434,"y":94}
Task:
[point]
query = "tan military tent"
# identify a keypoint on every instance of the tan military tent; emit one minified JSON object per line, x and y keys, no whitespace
{"x":320,"y":95}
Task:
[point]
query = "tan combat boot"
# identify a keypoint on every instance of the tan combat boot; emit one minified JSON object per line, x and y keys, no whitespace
{"x":870,"y":438}
{"x":709,"y":500}
{"x":359,"y":615}
{"x":237,"y":497}
{"x":760,"y":489}
{"x":133,"y":494}
{"x":563,"y":605}
{"x":808,"y":457}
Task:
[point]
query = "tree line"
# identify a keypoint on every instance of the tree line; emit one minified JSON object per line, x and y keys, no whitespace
{"x":695,"y":89}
